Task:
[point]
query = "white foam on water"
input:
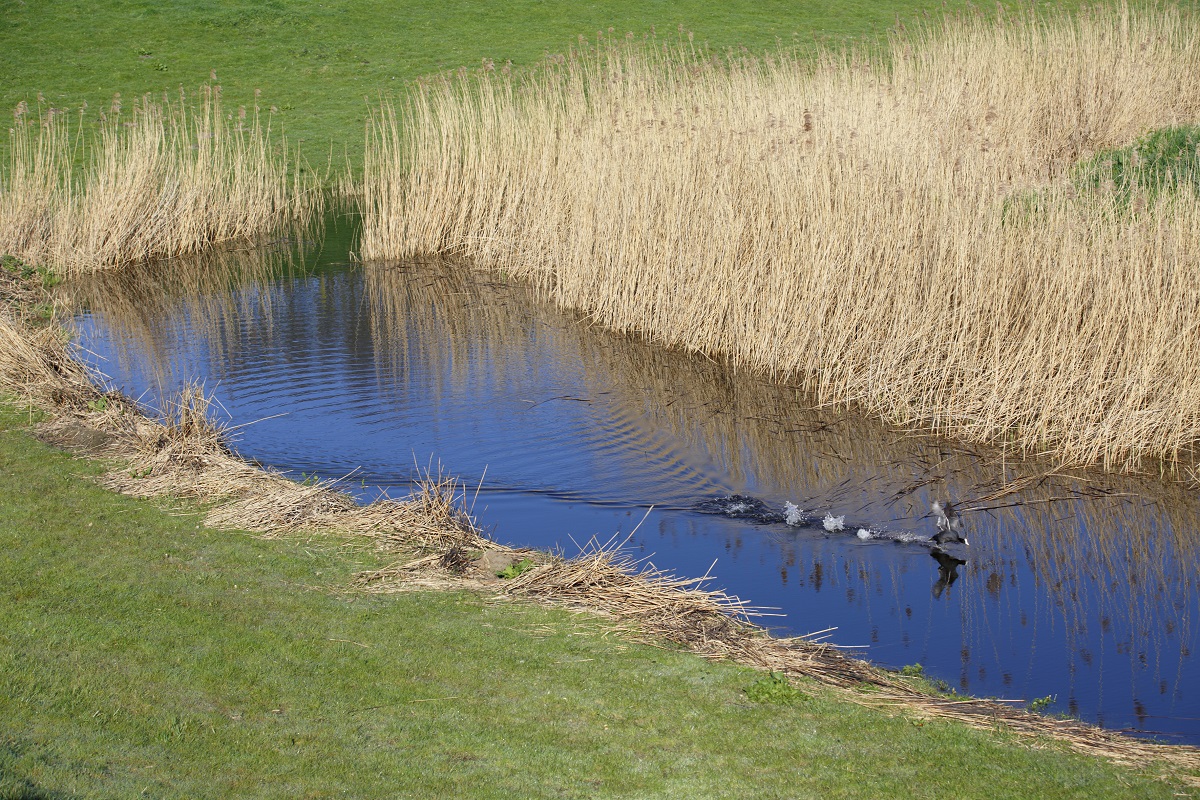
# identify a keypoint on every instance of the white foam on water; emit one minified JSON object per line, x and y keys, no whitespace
{"x":863,"y":533}
{"x":833,"y":523}
{"x":907,"y":536}
{"x":793,"y":514}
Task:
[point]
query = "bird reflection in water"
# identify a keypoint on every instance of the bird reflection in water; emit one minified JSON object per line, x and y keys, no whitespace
{"x":947,"y":570}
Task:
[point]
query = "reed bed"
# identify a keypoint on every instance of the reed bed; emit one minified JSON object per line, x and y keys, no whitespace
{"x":899,"y":232}
{"x":161,"y":178}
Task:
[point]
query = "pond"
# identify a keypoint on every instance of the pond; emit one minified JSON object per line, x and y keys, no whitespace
{"x":1076,"y":586}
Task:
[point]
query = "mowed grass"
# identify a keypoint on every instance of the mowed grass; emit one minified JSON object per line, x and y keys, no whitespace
{"x":142,"y":653}
{"x":321,"y":62}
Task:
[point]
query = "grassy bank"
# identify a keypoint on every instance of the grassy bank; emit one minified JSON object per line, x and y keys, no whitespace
{"x":144,"y":652}
{"x":909,"y":234}
{"x":321,"y":62}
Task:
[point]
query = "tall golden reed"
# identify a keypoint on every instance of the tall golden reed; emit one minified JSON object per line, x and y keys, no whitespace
{"x":898,"y":232}
{"x":161,"y":179}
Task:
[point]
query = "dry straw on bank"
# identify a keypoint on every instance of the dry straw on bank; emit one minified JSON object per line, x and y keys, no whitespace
{"x":898,"y":232}
{"x":161,"y":178}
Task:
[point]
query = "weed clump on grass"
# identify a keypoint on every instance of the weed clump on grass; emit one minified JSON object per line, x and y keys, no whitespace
{"x":516,"y":569}
{"x":775,"y":689}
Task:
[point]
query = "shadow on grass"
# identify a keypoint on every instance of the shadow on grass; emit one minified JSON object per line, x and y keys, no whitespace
{"x":28,"y":791}
{"x":13,"y":787}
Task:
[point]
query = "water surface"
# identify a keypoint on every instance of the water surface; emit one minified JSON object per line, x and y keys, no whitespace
{"x":1077,"y":586}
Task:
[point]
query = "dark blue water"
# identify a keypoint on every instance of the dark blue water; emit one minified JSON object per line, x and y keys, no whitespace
{"x":1077,"y":586}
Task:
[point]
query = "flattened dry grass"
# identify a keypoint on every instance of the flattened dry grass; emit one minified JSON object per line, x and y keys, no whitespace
{"x":860,"y":226}
{"x":161,"y":178}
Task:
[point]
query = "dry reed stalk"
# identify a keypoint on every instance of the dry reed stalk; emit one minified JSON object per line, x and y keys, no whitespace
{"x":607,"y":580}
{"x":896,"y":233}
{"x":37,"y":368}
{"x":161,"y":180}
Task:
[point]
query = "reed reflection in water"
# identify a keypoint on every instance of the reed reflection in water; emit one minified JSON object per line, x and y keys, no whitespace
{"x":1076,"y":584}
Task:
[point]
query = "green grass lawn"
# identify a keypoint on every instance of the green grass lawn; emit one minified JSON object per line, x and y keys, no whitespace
{"x":143,"y":653}
{"x":321,"y":63}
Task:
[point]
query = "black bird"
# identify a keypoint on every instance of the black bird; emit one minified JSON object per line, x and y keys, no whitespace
{"x":950,"y":524}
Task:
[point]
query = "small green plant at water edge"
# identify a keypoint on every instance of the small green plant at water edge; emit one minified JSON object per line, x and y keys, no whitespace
{"x":518,"y":568}
{"x":932,"y":684}
{"x":11,"y":263}
{"x":1041,"y":703}
{"x":775,"y":689}
{"x":50,"y":279}
{"x":98,"y":405}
